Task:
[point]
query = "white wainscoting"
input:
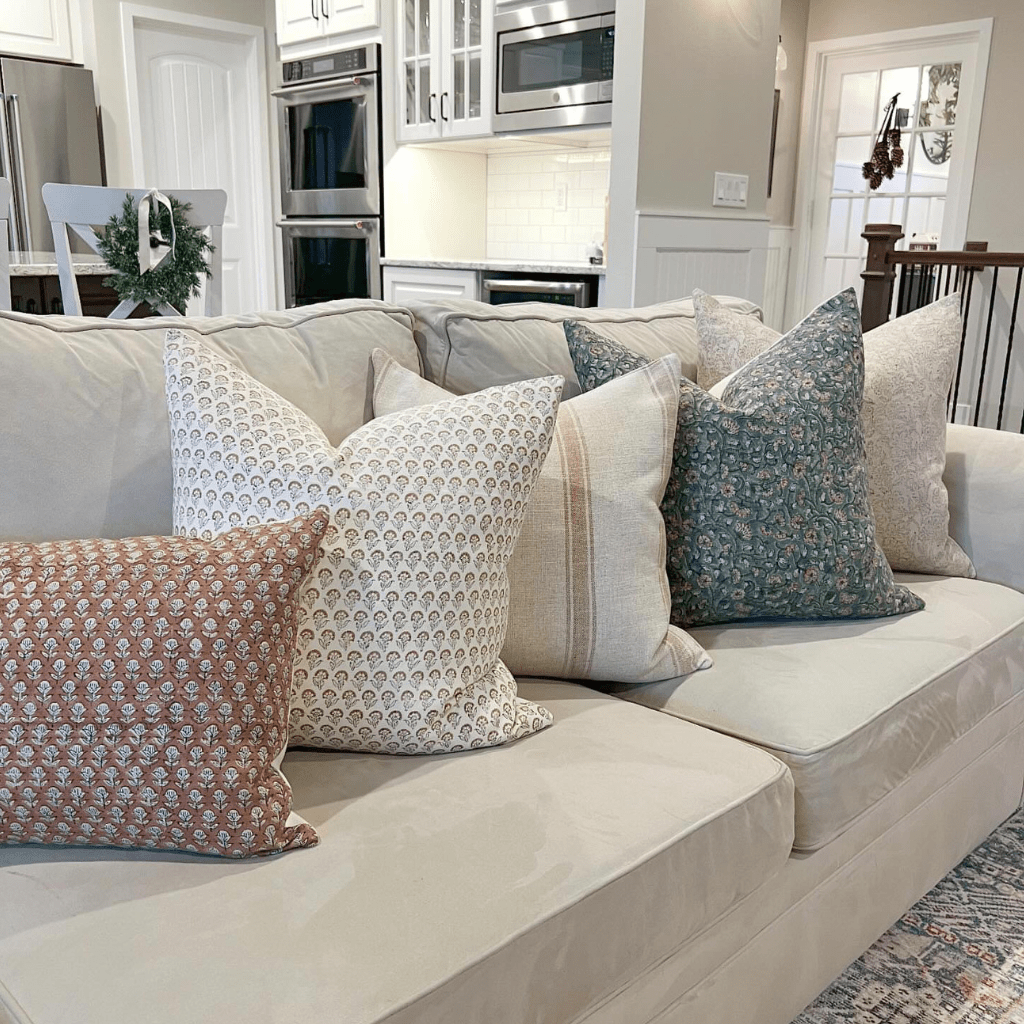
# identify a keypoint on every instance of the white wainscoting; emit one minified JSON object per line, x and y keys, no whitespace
{"x":676,"y":253}
{"x":776,"y":278}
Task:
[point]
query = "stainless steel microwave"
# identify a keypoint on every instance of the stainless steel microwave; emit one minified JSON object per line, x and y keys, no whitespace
{"x":555,"y":63}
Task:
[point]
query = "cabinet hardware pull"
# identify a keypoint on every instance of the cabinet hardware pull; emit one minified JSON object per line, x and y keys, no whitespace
{"x":430,"y":108}
{"x":312,"y":7}
{"x":444,"y":96}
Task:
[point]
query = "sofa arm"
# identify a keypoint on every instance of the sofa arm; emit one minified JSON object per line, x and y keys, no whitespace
{"x":985,"y":479}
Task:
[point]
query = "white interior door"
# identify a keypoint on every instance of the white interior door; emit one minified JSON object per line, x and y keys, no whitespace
{"x":202,"y":109}
{"x":940,"y":84}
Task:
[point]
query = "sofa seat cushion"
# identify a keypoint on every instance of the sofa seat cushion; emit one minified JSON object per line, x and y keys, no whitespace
{"x":516,"y":883}
{"x":87,"y":448}
{"x":854,"y":708}
{"x":467,"y":346}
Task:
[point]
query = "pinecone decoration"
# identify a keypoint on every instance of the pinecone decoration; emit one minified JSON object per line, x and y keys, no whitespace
{"x":887,"y":153}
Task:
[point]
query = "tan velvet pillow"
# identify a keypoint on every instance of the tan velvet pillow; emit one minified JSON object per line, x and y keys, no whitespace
{"x":589,"y":590}
{"x":144,"y":690}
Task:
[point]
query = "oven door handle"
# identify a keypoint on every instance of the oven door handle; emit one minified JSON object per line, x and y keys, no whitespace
{"x":574,"y":288}
{"x":361,"y":79}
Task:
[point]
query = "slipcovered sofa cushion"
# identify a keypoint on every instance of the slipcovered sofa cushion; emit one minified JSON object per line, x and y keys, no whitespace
{"x":589,"y":594}
{"x":404,"y":615}
{"x":87,"y":449}
{"x":517,"y":883}
{"x":466,"y":346}
{"x":855,"y":708}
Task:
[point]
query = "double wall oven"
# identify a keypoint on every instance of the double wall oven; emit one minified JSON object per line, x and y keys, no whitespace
{"x":329,"y":120}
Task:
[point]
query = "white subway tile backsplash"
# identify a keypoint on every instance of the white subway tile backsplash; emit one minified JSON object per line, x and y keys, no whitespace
{"x":523,"y":191}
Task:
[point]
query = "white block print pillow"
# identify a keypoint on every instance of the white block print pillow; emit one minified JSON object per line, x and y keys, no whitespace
{"x":405,"y":613}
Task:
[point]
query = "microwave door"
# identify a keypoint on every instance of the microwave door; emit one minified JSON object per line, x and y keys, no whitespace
{"x":330,"y":149}
{"x":566,"y":64}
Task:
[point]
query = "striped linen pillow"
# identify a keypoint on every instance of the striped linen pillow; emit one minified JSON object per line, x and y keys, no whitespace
{"x":589,"y":589}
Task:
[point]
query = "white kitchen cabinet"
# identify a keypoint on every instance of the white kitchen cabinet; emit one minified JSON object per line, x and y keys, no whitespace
{"x":445,"y":68}
{"x":299,"y":21}
{"x":37,"y":28}
{"x":403,"y":285}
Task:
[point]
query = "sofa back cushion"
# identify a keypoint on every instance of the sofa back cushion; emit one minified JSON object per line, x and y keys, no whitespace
{"x":467,"y":346}
{"x":86,"y":445}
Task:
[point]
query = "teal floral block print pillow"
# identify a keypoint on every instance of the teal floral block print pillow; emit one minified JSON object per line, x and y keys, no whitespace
{"x":767,"y":509}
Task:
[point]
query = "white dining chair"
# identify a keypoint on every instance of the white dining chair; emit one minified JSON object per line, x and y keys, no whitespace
{"x":5,"y":245}
{"x":82,"y":208}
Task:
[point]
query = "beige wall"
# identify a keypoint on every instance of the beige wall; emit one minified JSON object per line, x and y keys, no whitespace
{"x":997,"y":213}
{"x":708,"y":67}
{"x":790,"y":83}
{"x":103,"y":23}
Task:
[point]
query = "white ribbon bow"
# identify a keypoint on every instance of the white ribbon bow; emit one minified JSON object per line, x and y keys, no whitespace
{"x":153,"y":250}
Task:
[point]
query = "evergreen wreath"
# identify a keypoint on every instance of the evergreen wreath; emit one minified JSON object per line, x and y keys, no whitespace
{"x":177,"y":279}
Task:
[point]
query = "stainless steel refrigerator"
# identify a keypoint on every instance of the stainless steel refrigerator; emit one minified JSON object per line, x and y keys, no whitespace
{"x":49,"y":131}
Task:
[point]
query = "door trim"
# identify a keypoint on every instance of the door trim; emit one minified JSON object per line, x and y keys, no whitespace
{"x":134,"y":15}
{"x":819,"y":55}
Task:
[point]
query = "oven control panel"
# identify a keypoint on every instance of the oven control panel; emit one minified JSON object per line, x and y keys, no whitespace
{"x":340,"y":64}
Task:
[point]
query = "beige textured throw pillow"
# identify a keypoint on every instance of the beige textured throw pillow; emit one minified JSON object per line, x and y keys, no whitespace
{"x":403,"y":616}
{"x":589,"y":590}
{"x":909,"y":364}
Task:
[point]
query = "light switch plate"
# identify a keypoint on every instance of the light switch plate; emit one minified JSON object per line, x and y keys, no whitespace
{"x":731,"y":190}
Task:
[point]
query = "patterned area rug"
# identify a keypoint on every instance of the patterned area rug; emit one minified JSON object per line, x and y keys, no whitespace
{"x":956,"y":957}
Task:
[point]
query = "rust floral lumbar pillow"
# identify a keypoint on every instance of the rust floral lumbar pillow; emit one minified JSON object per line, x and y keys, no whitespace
{"x":144,"y":688}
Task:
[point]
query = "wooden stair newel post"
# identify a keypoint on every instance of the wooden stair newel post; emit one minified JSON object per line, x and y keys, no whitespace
{"x":880,"y":275}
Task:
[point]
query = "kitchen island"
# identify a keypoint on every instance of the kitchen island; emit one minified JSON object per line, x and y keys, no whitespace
{"x":35,"y":286}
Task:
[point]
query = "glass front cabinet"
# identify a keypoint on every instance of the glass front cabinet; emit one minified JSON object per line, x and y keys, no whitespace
{"x":445,"y":67}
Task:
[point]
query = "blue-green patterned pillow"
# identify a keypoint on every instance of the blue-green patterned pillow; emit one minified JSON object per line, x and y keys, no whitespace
{"x":767,"y":509}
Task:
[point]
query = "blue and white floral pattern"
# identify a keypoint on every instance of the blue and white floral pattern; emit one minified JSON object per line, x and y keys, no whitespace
{"x":767,"y":509}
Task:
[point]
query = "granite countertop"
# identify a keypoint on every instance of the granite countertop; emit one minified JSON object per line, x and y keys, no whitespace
{"x":511,"y":266}
{"x":44,"y":264}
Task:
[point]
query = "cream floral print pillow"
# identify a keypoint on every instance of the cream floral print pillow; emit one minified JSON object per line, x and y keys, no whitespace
{"x":909,"y":364}
{"x":405,"y":613}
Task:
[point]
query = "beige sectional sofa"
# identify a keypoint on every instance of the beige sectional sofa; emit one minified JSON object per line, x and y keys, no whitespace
{"x":701,"y":850}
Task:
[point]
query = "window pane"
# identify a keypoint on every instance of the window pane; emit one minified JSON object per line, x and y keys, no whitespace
{"x":931,"y":161}
{"x":924,"y":216}
{"x":410,"y":28}
{"x":898,"y":80}
{"x":474,"y":86}
{"x":424,"y":93}
{"x":885,"y":210}
{"x":474,"y":22}
{"x":857,"y":102}
{"x":940,"y":92}
{"x":424,"y":45}
{"x":459,"y":16}
{"x":459,"y":85}
{"x":840,"y":274}
{"x":410,"y":93}
{"x":841,"y":219}
{"x":850,"y":156}
{"x":898,"y":182}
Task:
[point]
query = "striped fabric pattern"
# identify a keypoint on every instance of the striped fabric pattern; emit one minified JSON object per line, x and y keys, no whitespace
{"x":589,"y":591}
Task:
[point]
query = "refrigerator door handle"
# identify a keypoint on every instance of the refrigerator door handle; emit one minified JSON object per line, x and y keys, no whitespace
{"x":21,"y":188}
{"x":7,"y":157}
